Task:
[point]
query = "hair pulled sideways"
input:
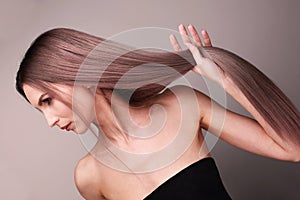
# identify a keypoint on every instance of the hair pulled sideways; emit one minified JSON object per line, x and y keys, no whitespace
{"x":56,"y":56}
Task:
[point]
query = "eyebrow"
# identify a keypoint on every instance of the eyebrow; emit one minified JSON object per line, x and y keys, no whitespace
{"x":40,"y":99}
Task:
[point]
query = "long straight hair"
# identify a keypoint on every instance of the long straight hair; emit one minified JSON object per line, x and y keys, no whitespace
{"x":56,"y":57}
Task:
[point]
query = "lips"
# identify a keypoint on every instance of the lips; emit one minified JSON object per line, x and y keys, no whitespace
{"x":67,"y":127}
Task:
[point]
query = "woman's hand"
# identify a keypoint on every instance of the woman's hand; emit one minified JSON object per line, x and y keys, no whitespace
{"x":205,"y":66}
{"x":253,"y":135}
{"x":195,"y":35}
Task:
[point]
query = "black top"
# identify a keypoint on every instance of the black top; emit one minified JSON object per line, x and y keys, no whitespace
{"x":201,"y":180}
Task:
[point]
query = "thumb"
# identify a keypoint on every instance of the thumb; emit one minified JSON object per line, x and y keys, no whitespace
{"x":197,"y":70}
{"x":196,"y":53}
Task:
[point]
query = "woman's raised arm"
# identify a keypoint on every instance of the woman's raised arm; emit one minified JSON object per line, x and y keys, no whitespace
{"x":255,"y":135}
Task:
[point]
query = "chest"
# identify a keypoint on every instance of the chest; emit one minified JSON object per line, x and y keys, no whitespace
{"x":120,"y":185}
{"x":172,"y":142}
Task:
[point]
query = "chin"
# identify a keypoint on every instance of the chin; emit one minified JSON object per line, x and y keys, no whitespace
{"x":81,"y":129}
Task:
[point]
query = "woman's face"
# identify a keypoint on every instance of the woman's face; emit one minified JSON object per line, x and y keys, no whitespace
{"x":58,"y":113}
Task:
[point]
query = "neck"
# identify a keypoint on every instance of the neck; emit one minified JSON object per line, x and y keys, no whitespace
{"x":117,"y":119}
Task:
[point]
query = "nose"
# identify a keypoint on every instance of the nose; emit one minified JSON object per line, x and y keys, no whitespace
{"x":51,"y":119}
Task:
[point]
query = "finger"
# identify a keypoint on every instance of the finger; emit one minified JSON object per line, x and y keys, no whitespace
{"x":206,"y":38}
{"x":195,"y":35}
{"x":174,"y":43}
{"x":196,"y":53}
{"x":184,"y":34}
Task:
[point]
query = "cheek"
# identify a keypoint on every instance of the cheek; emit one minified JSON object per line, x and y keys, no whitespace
{"x":80,"y":128}
{"x":63,"y":110}
{"x":84,"y":105}
{"x":82,"y":122}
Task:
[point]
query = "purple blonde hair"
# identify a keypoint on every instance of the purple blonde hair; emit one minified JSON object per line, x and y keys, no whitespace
{"x":56,"y":56}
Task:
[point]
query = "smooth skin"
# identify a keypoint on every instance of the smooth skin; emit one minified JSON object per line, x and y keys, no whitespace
{"x":255,"y":136}
{"x":57,"y":113}
{"x":96,"y":181}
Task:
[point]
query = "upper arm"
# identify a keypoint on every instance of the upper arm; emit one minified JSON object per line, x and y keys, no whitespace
{"x":87,"y":179}
{"x":238,"y":130}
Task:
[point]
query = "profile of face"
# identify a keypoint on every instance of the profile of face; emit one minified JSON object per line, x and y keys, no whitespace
{"x":58,"y":113}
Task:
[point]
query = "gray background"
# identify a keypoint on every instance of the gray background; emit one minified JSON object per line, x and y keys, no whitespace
{"x":38,"y":162}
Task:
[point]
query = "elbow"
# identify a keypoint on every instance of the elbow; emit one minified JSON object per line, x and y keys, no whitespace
{"x":295,"y":159}
{"x":293,"y":156}
{"x":292,"y":153}
{"x":288,"y":157}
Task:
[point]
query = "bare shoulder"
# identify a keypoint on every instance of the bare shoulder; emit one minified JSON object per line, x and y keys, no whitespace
{"x":189,"y":96}
{"x":87,"y":178}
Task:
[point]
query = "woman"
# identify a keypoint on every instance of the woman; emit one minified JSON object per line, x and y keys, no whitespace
{"x":52,"y":69}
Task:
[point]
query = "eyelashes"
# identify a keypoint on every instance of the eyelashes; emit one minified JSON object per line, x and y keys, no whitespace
{"x":47,"y":100}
